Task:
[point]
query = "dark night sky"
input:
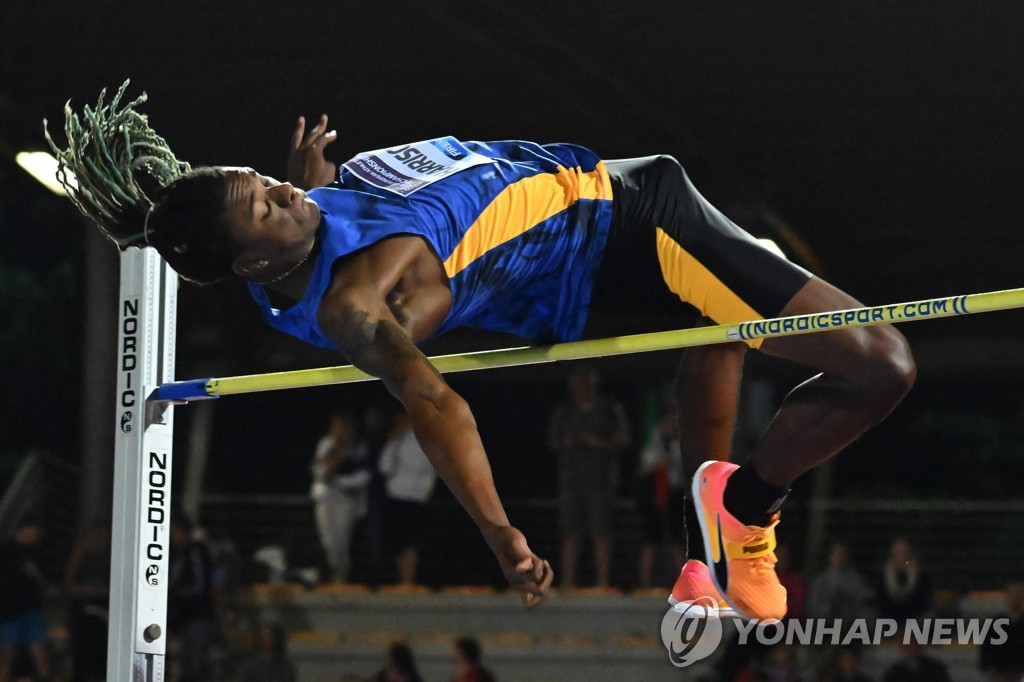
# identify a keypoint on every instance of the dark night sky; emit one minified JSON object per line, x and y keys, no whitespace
{"x":888,"y":136}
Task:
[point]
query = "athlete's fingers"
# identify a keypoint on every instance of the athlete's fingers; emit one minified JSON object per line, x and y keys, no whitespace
{"x":316,"y":132}
{"x":537,"y":576}
{"x":525,"y":566}
{"x":530,"y":600}
{"x":330,"y":137}
{"x":300,"y":129}
{"x":547,"y":576}
{"x":533,"y":593}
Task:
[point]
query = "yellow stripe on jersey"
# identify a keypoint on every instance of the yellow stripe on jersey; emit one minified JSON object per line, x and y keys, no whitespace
{"x":522,"y":205}
{"x":689,"y":279}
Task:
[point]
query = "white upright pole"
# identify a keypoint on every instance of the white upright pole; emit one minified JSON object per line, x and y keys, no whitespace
{"x":137,"y":634}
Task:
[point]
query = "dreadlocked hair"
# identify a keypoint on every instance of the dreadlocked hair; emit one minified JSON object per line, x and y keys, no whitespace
{"x":188,"y":226}
{"x":112,"y":154}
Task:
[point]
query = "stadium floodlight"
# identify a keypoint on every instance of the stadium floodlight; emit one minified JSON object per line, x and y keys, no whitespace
{"x":43,"y":167}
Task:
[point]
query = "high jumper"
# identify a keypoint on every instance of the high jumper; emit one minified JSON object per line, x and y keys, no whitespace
{"x":547,"y":242}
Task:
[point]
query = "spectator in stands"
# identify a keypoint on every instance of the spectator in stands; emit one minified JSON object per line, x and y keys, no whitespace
{"x":846,"y":667}
{"x":839,"y":591}
{"x":376,"y":427}
{"x":400,"y":667}
{"x":341,"y":479}
{"x":905,"y":588}
{"x":271,"y":662}
{"x":409,"y":483}
{"x":661,"y":495}
{"x":87,"y":584}
{"x":793,"y":581}
{"x":915,"y":666}
{"x":22,"y":585}
{"x":1005,"y":662}
{"x":191,"y":607}
{"x":588,"y":432}
{"x":467,"y":662}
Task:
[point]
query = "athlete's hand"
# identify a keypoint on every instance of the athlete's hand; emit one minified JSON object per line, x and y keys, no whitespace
{"x":307,"y":167}
{"x":526,"y":572}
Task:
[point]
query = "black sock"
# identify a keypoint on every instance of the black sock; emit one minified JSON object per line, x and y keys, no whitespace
{"x":750,"y":499}
{"x":692,"y":537}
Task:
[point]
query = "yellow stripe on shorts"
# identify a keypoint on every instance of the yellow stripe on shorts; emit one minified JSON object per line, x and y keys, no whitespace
{"x":524,"y":204}
{"x":692,"y":282}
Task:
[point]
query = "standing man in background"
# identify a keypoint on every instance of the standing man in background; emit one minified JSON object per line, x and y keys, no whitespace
{"x":588,"y":433}
{"x":409,"y":482}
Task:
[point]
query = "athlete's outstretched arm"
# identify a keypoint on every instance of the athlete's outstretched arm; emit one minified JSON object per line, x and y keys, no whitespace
{"x":359,"y":320}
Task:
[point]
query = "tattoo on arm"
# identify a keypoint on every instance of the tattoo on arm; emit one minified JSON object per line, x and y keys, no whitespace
{"x":377,"y":346}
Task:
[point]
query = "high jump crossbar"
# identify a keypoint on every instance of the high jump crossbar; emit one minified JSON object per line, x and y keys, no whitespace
{"x":198,"y":389}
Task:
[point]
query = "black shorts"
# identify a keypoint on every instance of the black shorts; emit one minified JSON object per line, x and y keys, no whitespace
{"x":672,"y":258}
{"x":404,"y":523}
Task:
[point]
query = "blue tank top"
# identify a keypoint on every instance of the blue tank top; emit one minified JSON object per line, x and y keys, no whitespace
{"x":520,"y":237}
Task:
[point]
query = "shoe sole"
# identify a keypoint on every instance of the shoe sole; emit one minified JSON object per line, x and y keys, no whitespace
{"x":726,"y":613}
{"x":706,"y":535}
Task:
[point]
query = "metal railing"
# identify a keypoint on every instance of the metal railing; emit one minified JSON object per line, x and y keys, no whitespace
{"x":964,"y":545}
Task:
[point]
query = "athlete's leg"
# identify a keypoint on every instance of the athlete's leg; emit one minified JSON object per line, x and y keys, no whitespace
{"x":707,"y":398}
{"x":865,"y":372}
{"x":708,"y":262}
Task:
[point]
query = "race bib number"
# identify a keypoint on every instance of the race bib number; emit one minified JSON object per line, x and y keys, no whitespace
{"x":411,"y":167}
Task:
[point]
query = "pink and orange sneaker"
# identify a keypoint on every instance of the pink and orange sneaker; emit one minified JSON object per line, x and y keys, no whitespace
{"x":695,"y":583}
{"x":741,"y":558}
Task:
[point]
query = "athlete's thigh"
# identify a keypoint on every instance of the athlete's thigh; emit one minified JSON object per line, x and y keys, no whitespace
{"x":841,"y":351}
{"x":685,"y":254}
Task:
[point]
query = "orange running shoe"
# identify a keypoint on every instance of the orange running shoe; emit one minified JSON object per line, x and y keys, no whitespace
{"x":695,"y":583}
{"x":741,"y":558}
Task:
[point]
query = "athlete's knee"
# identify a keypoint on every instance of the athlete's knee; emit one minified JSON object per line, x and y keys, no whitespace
{"x":666,"y":168}
{"x":666,"y":163}
{"x":889,"y":368}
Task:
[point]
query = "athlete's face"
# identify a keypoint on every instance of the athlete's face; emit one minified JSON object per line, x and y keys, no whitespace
{"x":273,"y":222}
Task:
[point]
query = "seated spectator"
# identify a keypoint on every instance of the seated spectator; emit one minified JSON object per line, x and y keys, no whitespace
{"x":400,"y":666}
{"x":467,"y":662}
{"x":271,"y":662}
{"x":1005,"y":662}
{"x":905,"y":589}
{"x":915,"y":666}
{"x":839,"y":591}
{"x":22,"y":585}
